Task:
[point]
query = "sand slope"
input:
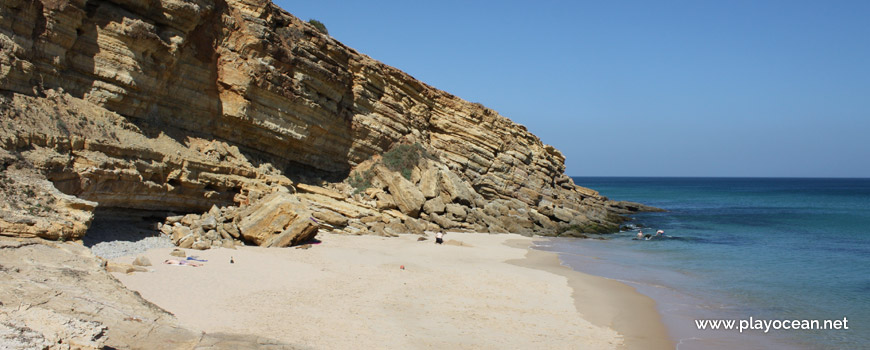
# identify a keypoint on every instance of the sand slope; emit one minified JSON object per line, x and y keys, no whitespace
{"x":349,"y":292}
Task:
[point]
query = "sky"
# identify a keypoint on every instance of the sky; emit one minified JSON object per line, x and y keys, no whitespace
{"x":758,"y":88}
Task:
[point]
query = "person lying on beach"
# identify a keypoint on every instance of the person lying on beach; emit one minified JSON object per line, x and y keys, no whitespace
{"x":182,"y":263}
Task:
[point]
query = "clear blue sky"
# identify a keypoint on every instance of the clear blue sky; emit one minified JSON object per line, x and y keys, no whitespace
{"x":643,"y":88}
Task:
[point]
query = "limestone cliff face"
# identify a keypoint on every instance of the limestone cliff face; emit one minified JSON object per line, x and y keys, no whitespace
{"x":181,"y":105}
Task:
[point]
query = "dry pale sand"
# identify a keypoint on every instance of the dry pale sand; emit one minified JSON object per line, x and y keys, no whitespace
{"x":350,"y":292}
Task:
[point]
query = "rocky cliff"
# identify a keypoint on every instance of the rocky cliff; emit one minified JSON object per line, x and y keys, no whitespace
{"x":182,"y":106}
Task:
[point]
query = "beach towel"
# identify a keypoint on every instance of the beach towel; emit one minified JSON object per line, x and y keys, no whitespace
{"x":182,"y":263}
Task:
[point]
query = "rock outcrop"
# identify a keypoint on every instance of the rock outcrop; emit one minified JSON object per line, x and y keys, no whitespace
{"x":279,"y":220}
{"x":59,"y":296}
{"x":181,"y":106}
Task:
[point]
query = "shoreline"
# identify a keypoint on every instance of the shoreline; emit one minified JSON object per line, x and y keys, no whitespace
{"x":476,"y":291}
{"x":606,"y":302}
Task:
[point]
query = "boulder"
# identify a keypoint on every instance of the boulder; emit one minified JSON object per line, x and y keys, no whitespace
{"x":444,"y":222}
{"x":186,"y":242}
{"x":344,"y":207}
{"x":331,"y":217}
{"x":278,"y":220}
{"x":384,"y":201}
{"x":434,"y":206}
{"x":208,"y":223}
{"x":406,"y":196}
{"x":371,"y":219}
{"x":320,"y":190}
{"x":458,"y":191}
{"x":166,"y":229}
{"x":223,"y":232}
{"x":142,"y":261}
{"x":189,"y":219}
{"x":232,"y":229}
{"x":179,"y":232}
{"x":215,"y":212}
{"x":378,"y":228}
{"x":171,"y":220}
{"x":415,"y":226}
{"x":123,"y":268}
{"x":457,"y":211}
{"x":396,"y":228}
{"x":212,"y":235}
{"x":429,"y":181}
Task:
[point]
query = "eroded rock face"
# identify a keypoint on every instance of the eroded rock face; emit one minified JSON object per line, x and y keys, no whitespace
{"x":184,"y":105}
{"x":59,"y":296}
{"x":30,"y":206}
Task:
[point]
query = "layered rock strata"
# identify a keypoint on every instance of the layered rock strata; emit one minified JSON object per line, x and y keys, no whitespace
{"x":183,"y":105}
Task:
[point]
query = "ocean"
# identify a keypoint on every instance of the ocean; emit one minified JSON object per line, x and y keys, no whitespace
{"x":740,"y":249}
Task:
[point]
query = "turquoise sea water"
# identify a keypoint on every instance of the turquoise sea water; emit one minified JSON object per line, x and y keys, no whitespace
{"x":734,"y":248}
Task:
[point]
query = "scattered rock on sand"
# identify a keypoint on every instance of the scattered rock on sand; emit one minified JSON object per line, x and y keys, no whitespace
{"x":457,"y":243}
{"x":142,"y":261}
{"x":178,"y":252}
{"x":123,"y":268}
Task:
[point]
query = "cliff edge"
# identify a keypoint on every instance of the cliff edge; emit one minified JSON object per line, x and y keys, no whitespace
{"x":182,"y":107}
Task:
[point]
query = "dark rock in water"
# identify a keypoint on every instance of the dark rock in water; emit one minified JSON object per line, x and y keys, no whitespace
{"x":573,"y":233}
{"x":578,"y":230}
{"x":629,"y":227}
{"x":625,"y":208}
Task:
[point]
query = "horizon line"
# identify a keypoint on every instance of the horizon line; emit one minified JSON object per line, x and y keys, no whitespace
{"x":724,"y":177}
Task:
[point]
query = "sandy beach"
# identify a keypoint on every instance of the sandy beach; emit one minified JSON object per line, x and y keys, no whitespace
{"x":487,"y":292}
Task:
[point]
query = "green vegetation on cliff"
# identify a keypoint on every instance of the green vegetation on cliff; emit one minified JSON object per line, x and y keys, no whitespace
{"x":319,"y":25}
{"x":401,"y":158}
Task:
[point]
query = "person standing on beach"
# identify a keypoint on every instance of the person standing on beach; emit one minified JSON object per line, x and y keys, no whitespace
{"x":439,"y":238}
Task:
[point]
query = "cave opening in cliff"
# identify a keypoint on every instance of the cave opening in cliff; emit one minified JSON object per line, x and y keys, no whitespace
{"x":118,"y":225}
